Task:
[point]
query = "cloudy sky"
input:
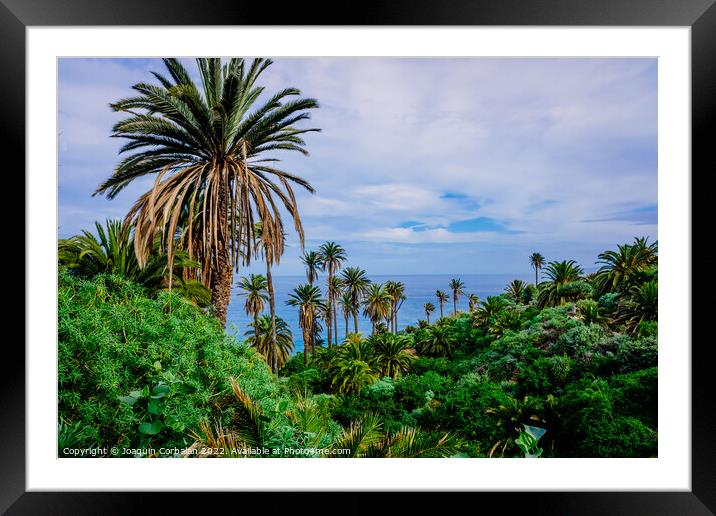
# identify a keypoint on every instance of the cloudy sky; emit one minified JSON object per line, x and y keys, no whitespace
{"x":425,"y":165}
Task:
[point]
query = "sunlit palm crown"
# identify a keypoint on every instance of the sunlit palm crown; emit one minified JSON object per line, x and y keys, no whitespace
{"x":332,"y":255}
{"x":308,"y":299}
{"x":313,"y":263}
{"x":207,"y":147}
{"x":619,"y":268}
{"x":254,"y":288}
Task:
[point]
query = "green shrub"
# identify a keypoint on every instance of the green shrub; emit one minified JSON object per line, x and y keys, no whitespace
{"x":593,"y":426}
{"x":114,"y":340}
{"x":464,"y":409}
{"x":412,"y":389}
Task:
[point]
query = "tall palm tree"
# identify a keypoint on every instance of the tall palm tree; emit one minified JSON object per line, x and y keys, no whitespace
{"x":254,"y":288}
{"x":356,"y":282}
{"x":270,"y":259}
{"x":396,"y":291}
{"x":312,"y":261}
{"x":376,"y":304}
{"x":346,"y":302}
{"x":458,"y":288}
{"x":429,"y":308}
{"x":559,"y":274}
{"x":337,"y":291}
{"x":207,"y":148}
{"x":332,"y":257}
{"x":626,"y":267}
{"x":442,"y":299}
{"x":473,"y":302}
{"x":537,"y":261}
{"x":309,"y":302}
{"x":274,"y":354}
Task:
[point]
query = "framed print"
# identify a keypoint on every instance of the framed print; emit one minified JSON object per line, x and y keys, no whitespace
{"x":428,"y":243}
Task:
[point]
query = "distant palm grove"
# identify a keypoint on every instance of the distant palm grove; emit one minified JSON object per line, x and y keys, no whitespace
{"x":565,"y":366}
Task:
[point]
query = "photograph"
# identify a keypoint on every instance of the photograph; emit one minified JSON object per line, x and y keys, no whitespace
{"x":357,"y":257}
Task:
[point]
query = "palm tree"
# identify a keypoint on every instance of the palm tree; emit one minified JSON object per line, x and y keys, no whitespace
{"x":439,"y":342}
{"x":337,"y":290}
{"x":560,"y":274}
{"x":356,"y":282}
{"x":516,"y":289}
{"x":353,"y":366}
{"x":376,"y":304}
{"x":458,"y":288}
{"x":346,"y":302}
{"x":393,"y":353}
{"x":490,"y":310}
{"x":332,"y":257}
{"x":396,"y":291}
{"x":270,"y":259}
{"x":365,"y":438}
{"x":274,"y":354}
{"x":442,"y":299}
{"x":254,"y":288}
{"x":312,"y":261}
{"x":112,"y":251}
{"x":309,"y":302}
{"x":473,"y":302}
{"x":537,"y":262}
{"x":207,"y":148}
{"x":625,"y":267}
{"x":640,"y":305}
{"x":429,"y":308}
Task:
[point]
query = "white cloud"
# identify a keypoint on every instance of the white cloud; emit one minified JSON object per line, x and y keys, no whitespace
{"x":539,"y":145}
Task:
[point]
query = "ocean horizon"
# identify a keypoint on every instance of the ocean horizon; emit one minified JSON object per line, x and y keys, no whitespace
{"x":419,"y":289}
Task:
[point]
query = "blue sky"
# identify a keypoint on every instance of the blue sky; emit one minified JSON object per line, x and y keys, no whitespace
{"x":425,"y":165}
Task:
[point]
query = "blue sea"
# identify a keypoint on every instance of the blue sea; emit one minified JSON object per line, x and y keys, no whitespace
{"x":419,"y":289}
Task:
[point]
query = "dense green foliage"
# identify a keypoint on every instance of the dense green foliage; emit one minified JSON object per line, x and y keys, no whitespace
{"x":566,"y":369}
{"x":114,"y":340}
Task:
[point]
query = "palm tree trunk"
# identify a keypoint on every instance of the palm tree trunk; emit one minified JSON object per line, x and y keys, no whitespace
{"x":441,"y":310}
{"x":305,"y":346}
{"x":329,"y":308}
{"x":454,"y":304}
{"x":272,"y":307}
{"x":373,"y":330}
{"x":427,"y":314}
{"x":313,"y":341}
{"x":346,"y":316}
{"x":222,"y":273}
{"x":355,"y":317}
{"x":535,"y":277}
{"x":257,"y":333}
{"x":335,"y":325}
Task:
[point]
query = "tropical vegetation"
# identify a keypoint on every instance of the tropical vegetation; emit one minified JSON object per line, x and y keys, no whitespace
{"x":566,"y":367}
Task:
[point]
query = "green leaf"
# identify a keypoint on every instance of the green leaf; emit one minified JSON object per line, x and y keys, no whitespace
{"x":129,"y":400}
{"x":160,"y":391}
{"x":155,"y":407}
{"x":157,"y":365}
{"x":185,"y":388}
{"x":136,"y":394}
{"x":152,"y":428}
{"x":283,"y":405}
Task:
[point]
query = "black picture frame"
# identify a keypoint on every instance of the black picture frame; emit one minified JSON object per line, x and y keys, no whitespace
{"x":700,"y":15}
